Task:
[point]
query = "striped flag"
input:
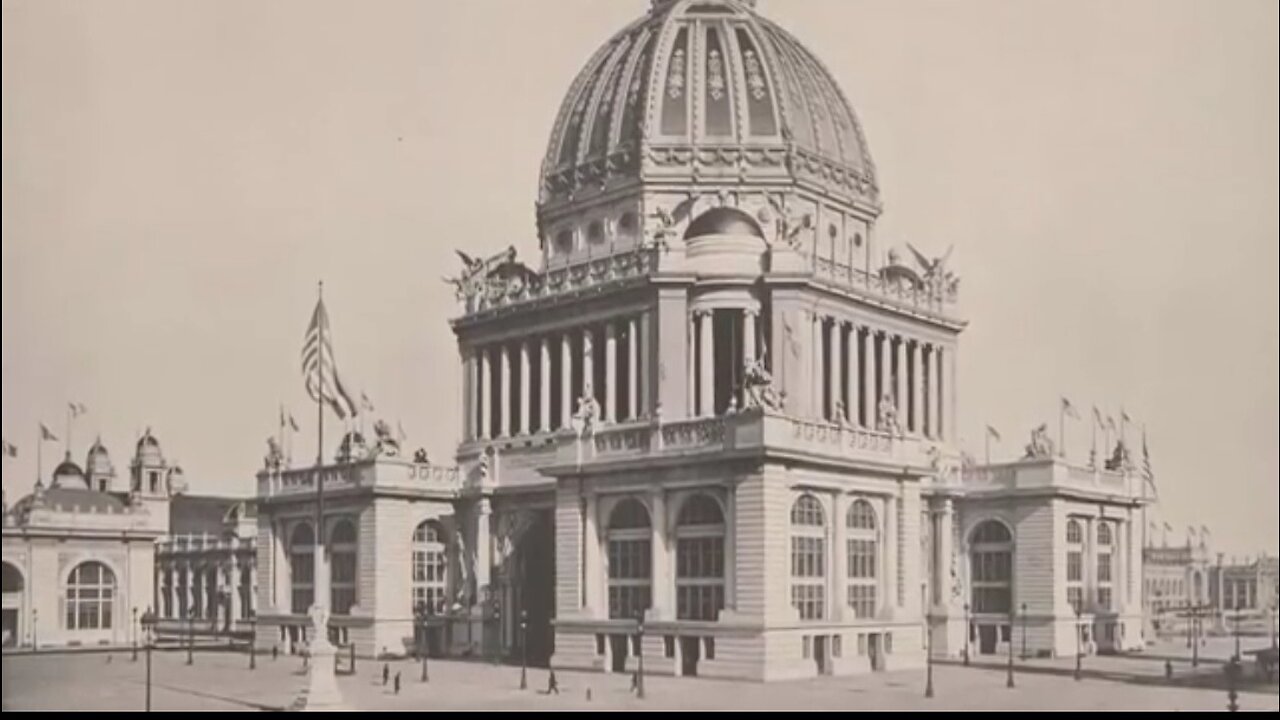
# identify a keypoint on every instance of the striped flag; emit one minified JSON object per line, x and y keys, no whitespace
{"x":993,"y":433}
{"x":318,"y":368}
{"x":1069,"y":410}
{"x":1097,"y":418}
{"x":10,"y":450}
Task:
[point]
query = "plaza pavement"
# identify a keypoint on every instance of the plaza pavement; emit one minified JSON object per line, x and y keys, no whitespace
{"x":222,"y":681}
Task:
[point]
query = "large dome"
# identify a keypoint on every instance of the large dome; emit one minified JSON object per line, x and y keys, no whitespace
{"x":706,"y":91}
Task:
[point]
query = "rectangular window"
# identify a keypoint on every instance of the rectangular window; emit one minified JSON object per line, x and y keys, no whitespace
{"x":709,"y":648}
{"x":806,"y":647}
{"x":888,"y":643}
{"x":1104,"y":598}
{"x":1075,"y":566}
{"x":1075,"y":598}
{"x":1104,"y":568}
{"x":668,"y":646}
{"x":837,"y":645}
{"x":599,"y":645}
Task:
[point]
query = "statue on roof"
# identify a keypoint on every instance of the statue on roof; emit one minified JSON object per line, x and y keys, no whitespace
{"x":275,"y":456}
{"x":759,"y":386}
{"x":1041,"y":446}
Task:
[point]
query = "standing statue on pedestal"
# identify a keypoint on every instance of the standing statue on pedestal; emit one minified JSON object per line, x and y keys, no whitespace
{"x":588,"y":415}
{"x":759,"y":386}
{"x":387,"y":445}
{"x":1041,"y":446}
{"x":275,"y":456}
{"x":887,"y":417}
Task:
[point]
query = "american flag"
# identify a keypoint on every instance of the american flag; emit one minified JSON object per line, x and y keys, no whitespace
{"x":318,"y":368}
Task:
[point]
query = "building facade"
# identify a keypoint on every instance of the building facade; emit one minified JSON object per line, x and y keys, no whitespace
{"x":79,"y":552}
{"x":715,"y":422}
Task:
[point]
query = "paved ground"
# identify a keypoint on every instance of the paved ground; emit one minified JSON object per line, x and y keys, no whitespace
{"x":222,"y":681}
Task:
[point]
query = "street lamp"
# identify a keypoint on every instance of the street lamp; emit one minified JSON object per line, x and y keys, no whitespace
{"x":148,"y":626}
{"x":1239,"y":610}
{"x":253,"y":643}
{"x":191,"y":637}
{"x":1195,"y":638}
{"x":1079,"y":650}
{"x":423,"y":613}
{"x":640,"y":655}
{"x":1024,"y":631}
{"x":1012,"y":616}
{"x":1275,"y":604}
{"x":497,"y":624}
{"x":1233,"y":678}
{"x":133,"y":630}
{"x":928,"y":656}
{"x":524,"y":649}
{"x":35,"y":640}
{"x":968,"y":630}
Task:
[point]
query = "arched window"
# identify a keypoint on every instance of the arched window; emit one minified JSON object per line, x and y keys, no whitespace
{"x":564,"y":242}
{"x":630,"y":560}
{"x":430,"y":566}
{"x":1105,"y":539}
{"x":1075,"y":564}
{"x":91,"y":592}
{"x":595,"y":232}
{"x":342,"y":575}
{"x":12,"y":581}
{"x":991,"y":559}
{"x":809,"y":558}
{"x":302,"y":568}
{"x":861,"y":551}
{"x":699,"y":559}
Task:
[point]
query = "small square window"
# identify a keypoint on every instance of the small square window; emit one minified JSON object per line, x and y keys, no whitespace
{"x":862,"y":645}
{"x":837,"y":645}
{"x":709,"y":648}
{"x":888,"y":643}
{"x":599,"y":645}
{"x":668,"y":646}
{"x":806,"y":647}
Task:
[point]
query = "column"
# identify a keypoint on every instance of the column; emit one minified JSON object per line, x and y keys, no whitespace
{"x":1090,"y":579}
{"x":468,"y":394}
{"x":486,"y":395}
{"x":928,"y":422}
{"x":885,"y":370}
{"x":588,"y":364}
{"x":633,"y":369}
{"x":939,"y":430}
{"x":663,"y":580}
{"x":889,"y":580}
{"x":526,"y":387}
{"x":544,"y":385}
{"x":852,"y":397}
{"x":611,"y":372}
{"x":707,"y":371}
{"x":917,"y":387}
{"x":869,"y":379}
{"x":566,"y":381}
{"x":816,"y":360}
{"x":945,"y":539}
{"x":233,"y":574}
{"x":504,"y":408}
{"x":900,"y":399}
{"x":731,"y":548}
{"x":593,"y":567}
{"x":952,"y":394}
{"x":695,"y":354}
{"x":748,"y":337}
{"x":483,"y":546}
{"x":833,"y":369}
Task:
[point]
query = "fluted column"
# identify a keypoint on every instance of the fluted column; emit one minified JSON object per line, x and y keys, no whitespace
{"x":486,"y":394}
{"x":833,"y":368}
{"x":233,"y":575}
{"x":852,"y":397}
{"x":504,"y":406}
{"x":927,"y":384}
{"x":526,"y":388}
{"x":611,"y":372}
{"x":890,"y":545}
{"x":593,"y":566}
{"x":663,"y":582}
{"x":468,"y":394}
{"x":707,"y":349}
{"x":839,"y":557}
{"x":566,"y":380}
{"x":917,"y":388}
{"x":817,"y":359}
{"x":945,"y":541}
{"x":900,"y":395}
{"x":544,"y":384}
{"x":940,"y":429}
{"x":695,"y":354}
{"x":868,"y":398}
{"x":588,"y":364}
{"x":633,"y":368}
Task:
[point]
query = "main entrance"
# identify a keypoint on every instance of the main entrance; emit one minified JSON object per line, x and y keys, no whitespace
{"x":534,"y":594}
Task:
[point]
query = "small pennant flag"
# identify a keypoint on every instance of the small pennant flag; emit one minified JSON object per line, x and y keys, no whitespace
{"x":993,"y":433}
{"x":400,"y":433}
{"x":293,"y":424}
{"x":46,"y":435}
{"x":365,"y":403}
{"x":10,"y":450}
{"x":1097,"y":418}
{"x":77,"y":409}
{"x":1069,"y":410}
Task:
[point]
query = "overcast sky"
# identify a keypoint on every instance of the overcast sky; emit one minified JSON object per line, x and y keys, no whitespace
{"x":178,"y":175}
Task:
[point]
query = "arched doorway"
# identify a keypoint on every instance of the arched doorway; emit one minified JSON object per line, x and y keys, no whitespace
{"x":991,"y":595}
{"x":14,"y":605}
{"x":535,"y":595}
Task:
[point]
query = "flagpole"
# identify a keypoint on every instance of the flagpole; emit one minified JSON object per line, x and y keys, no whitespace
{"x":1062,"y":430}
{"x":39,"y":454}
{"x":66,"y":446}
{"x":1093,"y":440}
{"x":321,"y":581}
{"x":987,"y":438}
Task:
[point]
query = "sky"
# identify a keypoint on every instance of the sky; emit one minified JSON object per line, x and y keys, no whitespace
{"x":177,"y":176}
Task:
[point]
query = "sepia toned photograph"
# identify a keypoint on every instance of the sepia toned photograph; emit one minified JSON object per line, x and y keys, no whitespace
{"x":641,"y":355}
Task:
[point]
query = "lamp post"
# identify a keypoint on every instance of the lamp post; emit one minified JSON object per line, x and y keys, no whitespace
{"x":1195,"y":639}
{"x":423,"y":613}
{"x":968,"y":630}
{"x":1239,"y":609}
{"x":133,"y":630}
{"x":1024,"y":631}
{"x":1012,"y":616}
{"x":191,"y":638}
{"x":497,"y":624}
{"x":1079,"y":650}
{"x":524,"y":649}
{"x":928,"y":656}
{"x":640,"y":656}
{"x":253,"y":643}
{"x":1233,"y":677}
{"x":1275,"y":604}
{"x":148,"y":627}
{"x":35,"y":640}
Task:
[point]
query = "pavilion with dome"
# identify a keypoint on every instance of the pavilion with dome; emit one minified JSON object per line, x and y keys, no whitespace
{"x":714,"y":423}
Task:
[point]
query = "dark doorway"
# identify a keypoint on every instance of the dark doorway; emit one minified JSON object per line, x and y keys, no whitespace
{"x":987,"y":639}
{"x":873,"y":652}
{"x":690,"y":654}
{"x":618,"y":653}
{"x":11,"y":628}
{"x":537,"y":589}
{"x":820,"y":653}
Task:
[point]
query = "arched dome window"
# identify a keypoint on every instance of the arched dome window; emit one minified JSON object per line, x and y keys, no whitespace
{"x":991,"y":568}
{"x":630,"y":559}
{"x":809,"y":558}
{"x":700,"y":533}
{"x":430,"y":566}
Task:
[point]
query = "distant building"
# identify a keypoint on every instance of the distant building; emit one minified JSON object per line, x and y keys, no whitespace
{"x":1176,"y":584}
{"x":79,"y":552}
{"x":205,"y":567}
{"x":1249,"y":587}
